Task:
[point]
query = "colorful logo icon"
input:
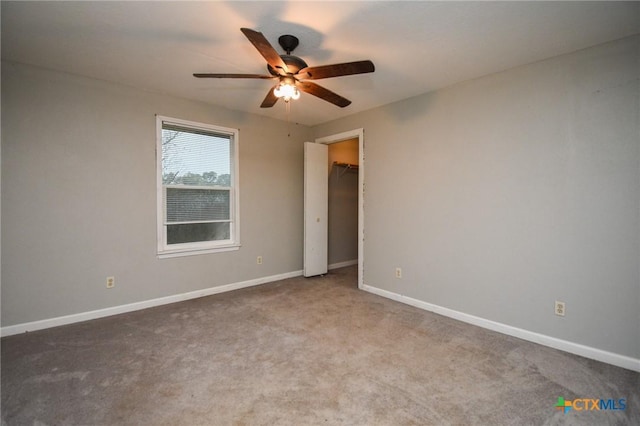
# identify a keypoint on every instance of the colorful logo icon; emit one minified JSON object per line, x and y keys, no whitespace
{"x":563,"y":405}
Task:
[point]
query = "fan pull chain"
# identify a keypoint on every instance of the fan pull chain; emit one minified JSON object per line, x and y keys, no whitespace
{"x":287,"y":106}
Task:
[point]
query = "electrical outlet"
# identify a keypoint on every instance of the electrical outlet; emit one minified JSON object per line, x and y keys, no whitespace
{"x":398,"y":272}
{"x":111,"y":282}
{"x":259,"y":260}
{"x":560,"y":308}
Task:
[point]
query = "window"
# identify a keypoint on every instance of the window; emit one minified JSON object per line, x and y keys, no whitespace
{"x":197,"y":188}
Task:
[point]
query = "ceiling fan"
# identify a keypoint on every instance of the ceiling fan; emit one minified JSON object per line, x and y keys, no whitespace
{"x":293,"y":73}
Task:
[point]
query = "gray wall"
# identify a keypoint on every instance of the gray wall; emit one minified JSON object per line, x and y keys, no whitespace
{"x":499,"y":195}
{"x":343,"y":203}
{"x":496,"y":196}
{"x":79,"y":196}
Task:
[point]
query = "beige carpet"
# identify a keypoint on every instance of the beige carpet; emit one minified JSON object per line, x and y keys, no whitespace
{"x":297,"y":352}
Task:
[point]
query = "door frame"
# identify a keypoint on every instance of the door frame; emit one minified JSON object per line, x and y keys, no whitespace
{"x":341,"y":137}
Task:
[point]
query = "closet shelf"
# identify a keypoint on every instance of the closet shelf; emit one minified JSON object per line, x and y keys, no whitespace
{"x":346,"y":167}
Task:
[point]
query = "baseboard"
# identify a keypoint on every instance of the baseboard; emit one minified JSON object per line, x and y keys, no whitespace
{"x":563,"y":345}
{"x":115,"y":310}
{"x":343,"y":264}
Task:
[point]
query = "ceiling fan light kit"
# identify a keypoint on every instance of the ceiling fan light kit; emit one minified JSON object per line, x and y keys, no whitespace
{"x":286,"y":91}
{"x":293,"y":73}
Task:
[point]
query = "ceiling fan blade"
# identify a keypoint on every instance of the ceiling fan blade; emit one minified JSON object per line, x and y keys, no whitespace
{"x":322,"y":93}
{"x":336,"y":70}
{"x":208,"y":75}
{"x":269,"y":100}
{"x":266,"y":50}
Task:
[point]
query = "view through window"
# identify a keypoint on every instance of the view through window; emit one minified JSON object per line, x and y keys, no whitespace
{"x":197,"y":186}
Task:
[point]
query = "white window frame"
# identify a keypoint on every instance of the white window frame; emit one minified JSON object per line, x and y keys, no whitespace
{"x":202,"y":247}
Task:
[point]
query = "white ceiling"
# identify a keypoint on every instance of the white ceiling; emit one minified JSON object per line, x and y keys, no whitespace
{"x":416,"y":47}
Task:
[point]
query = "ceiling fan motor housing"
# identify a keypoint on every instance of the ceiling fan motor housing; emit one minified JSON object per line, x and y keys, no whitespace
{"x":294,"y":64}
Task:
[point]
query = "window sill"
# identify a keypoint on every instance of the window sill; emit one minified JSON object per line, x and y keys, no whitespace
{"x":168,"y":254}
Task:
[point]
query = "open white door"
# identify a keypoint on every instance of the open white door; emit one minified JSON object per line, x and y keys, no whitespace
{"x":316,"y":207}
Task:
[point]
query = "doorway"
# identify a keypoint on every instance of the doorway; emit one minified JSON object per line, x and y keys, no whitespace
{"x":343,"y":171}
{"x":343,"y":166}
